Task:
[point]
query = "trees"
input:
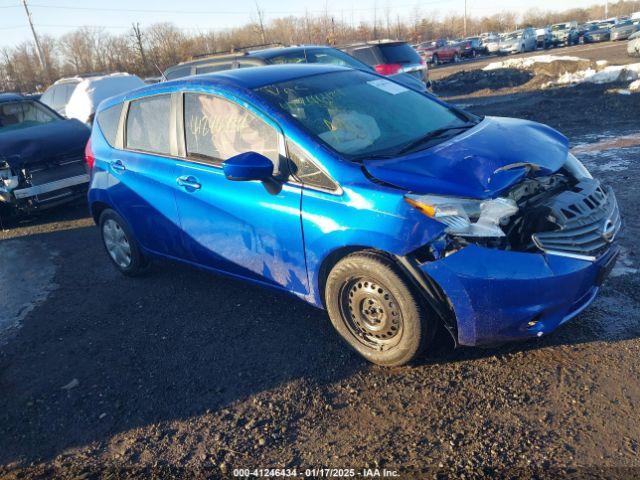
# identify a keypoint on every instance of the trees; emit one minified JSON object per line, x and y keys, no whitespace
{"x":141,"y":50}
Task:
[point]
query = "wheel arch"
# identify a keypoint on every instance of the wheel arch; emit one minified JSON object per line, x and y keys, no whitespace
{"x":333,"y":258}
{"x":97,"y":208}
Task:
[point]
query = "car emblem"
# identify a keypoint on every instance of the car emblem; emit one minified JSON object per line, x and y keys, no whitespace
{"x":608,"y":231}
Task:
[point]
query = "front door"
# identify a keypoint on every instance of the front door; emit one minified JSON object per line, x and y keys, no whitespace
{"x":250,"y":229}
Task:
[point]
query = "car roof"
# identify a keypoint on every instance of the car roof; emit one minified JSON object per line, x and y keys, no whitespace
{"x":271,"y":52}
{"x":239,"y":79}
{"x":10,"y":97}
{"x":255,"y":77}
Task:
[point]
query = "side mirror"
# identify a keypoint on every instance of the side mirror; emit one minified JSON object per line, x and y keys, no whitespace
{"x":248,"y":166}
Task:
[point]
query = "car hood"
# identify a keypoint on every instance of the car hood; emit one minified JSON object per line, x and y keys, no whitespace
{"x":480,"y":163}
{"x":43,"y":142}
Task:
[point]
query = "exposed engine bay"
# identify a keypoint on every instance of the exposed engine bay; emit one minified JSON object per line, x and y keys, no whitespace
{"x":557,"y":214}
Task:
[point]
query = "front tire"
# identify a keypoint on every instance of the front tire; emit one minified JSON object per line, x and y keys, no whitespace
{"x":120,"y":244}
{"x":376,"y":310}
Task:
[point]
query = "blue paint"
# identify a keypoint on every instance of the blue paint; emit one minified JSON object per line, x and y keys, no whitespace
{"x":281,"y":237}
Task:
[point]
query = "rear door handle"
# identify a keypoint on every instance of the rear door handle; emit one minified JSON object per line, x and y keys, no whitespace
{"x":118,"y":166}
{"x":189,"y":183}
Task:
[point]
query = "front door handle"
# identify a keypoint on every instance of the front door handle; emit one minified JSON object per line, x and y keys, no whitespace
{"x":118,"y":166}
{"x":189,"y":183}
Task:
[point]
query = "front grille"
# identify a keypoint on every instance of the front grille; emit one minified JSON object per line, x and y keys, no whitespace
{"x":587,"y":219}
{"x":51,"y":172}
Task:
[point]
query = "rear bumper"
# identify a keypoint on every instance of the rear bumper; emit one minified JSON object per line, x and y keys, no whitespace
{"x":499,"y":296}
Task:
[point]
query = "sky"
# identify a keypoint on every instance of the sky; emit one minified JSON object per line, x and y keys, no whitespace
{"x":55,"y":17}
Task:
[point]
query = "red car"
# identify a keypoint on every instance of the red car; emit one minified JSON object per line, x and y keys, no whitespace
{"x":439,"y":51}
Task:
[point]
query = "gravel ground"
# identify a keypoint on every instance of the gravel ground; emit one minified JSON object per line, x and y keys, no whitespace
{"x":181,"y":373}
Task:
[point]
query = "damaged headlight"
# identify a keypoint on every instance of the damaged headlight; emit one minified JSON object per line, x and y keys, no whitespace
{"x":576,"y":168}
{"x":466,"y":217}
{"x":8,"y":181}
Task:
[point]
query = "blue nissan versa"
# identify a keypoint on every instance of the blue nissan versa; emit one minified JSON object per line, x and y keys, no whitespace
{"x":391,"y":209}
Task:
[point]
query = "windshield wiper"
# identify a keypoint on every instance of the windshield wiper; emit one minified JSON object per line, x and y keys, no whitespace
{"x":427,"y":137}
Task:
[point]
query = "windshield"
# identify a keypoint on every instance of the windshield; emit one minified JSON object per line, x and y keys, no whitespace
{"x":358,"y":114}
{"x":23,"y":114}
{"x":560,"y":26}
{"x":513,"y":35}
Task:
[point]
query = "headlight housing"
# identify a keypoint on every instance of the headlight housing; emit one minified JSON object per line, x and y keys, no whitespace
{"x":576,"y":168}
{"x":8,"y":181}
{"x":466,"y":217}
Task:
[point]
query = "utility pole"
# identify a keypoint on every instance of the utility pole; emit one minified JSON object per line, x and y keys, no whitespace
{"x":465,"y":18}
{"x":138,"y":35}
{"x":39,"y":51}
{"x":606,"y":9}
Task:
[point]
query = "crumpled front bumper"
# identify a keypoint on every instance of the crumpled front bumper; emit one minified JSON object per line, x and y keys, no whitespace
{"x":500,"y":295}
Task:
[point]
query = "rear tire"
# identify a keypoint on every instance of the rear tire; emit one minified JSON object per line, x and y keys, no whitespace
{"x":120,"y":244}
{"x":376,"y":310}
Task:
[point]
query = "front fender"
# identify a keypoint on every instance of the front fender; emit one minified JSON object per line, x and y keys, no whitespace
{"x":365,"y":217}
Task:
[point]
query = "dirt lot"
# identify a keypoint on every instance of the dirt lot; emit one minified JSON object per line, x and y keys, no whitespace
{"x":184,"y":374}
{"x":614,"y":52}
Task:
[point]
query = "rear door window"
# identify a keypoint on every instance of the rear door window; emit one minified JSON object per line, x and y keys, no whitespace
{"x":399,"y":53}
{"x":217,"y":129}
{"x":149,"y":125}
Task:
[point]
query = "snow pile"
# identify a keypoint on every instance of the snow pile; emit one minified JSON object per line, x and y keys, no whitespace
{"x":529,"y":62}
{"x":635,"y":86}
{"x":609,"y":74}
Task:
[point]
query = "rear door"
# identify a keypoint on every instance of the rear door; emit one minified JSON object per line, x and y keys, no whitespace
{"x":142,"y":175}
{"x":250,"y":229}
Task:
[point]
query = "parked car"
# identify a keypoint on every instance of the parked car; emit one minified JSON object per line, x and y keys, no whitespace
{"x":41,"y":157}
{"x":519,"y":41}
{"x":633,"y":47}
{"x":91,"y":91}
{"x":78,"y":97}
{"x":440,"y":51}
{"x":544,"y":38}
{"x":417,"y":78}
{"x":390,"y":57}
{"x":492,"y":44}
{"x":388,"y":207}
{"x":57,"y":95}
{"x":565,"y":33}
{"x":600,"y":32}
{"x":472,"y":47}
{"x":623,"y":30}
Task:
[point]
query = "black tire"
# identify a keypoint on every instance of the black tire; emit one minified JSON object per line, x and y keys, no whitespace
{"x":134,"y":263}
{"x":377,"y":310}
{"x":435,"y":60}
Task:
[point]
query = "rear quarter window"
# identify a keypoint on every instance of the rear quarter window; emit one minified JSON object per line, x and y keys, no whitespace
{"x":178,"y":73}
{"x":149,"y":125}
{"x":108,"y":121}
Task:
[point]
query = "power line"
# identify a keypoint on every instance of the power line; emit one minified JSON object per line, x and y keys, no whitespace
{"x":215,"y":12}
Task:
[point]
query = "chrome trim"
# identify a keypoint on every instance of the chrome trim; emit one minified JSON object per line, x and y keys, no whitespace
{"x":51,"y":186}
{"x":576,"y":256}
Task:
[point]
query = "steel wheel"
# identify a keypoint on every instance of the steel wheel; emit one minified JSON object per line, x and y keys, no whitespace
{"x":371,"y":313}
{"x":117,"y":243}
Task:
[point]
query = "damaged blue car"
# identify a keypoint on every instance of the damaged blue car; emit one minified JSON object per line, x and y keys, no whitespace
{"x":392,"y":210}
{"x":41,"y":157}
